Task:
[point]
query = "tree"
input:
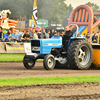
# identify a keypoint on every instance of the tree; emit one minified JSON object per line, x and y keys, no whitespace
{"x":95,"y":7}
{"x":55,"y":11}
{"x":18,"y":7}
{"x":67,"y":15}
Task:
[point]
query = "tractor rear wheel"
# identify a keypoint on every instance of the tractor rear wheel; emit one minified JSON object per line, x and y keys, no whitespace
{"x":80,"y":54}
{"x":49,"y":62}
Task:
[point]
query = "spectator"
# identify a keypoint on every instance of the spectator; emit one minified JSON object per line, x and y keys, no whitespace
{"x":23,"y":32}
{"x":22,"y":39}
{"x":88,"y":36}
{"x":44,"y":33}
{"x":26,"y":36}
{"x":39,"y":33}
{"x":47,"y":35}
{"x":10,"y":33}
{"x":56,"y":33}
{"x":52,"y":33}
{"x":7,"y":37}
{"x":94,"y":38}
{"x":31,"y":34}
{"x":17,"y":32}
{"x":84,"y":35}
{"x":35,"y":35}
{"x":62,"y":33}
{"x":14,"y":36}
{"x":1,"y":34}
{"x":19,"y":36}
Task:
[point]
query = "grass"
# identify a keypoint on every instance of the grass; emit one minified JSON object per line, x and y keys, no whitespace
{"x":13,"y":57}
{"x":49,"y":80}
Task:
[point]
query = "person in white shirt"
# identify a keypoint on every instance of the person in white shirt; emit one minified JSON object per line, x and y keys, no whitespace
{"x":35,"y":35}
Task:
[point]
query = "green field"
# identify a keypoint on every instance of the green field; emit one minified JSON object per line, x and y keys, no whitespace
{"x":13,"y":57}
{"x":49,"y":80}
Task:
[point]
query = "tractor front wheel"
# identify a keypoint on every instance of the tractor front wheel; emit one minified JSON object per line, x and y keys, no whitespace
{"x":49,"y":62}
{"x":28,"y":62}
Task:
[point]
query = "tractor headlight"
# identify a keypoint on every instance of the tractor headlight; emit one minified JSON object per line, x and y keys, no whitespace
{"x":36,"y":49}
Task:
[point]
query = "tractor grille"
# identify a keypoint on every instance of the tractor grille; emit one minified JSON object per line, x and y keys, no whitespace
{"x":35,"y":46}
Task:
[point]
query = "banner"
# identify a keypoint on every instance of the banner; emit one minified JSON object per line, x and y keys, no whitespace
{"x":15,"y":48}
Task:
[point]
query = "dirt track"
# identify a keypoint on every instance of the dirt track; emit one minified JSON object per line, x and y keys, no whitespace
{"x":85,"y":91}
{"x":17,"y":70}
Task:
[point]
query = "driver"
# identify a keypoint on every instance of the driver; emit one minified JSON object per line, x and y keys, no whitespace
{"x":66,"y":37}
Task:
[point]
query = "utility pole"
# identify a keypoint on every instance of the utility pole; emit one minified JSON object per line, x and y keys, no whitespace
{"x":42,"y":25}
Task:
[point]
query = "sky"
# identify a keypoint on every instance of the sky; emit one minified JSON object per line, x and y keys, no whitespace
{"x":76,"y":3}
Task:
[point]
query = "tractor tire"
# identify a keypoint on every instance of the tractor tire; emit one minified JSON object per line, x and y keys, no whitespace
{"x":30,"y":64}
{"x":61,"y":64}
{"x":80,"y":54}
{"x":49,"y":62}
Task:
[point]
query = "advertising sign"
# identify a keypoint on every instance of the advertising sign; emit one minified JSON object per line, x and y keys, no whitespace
{"x":27,"y":47}
{"x":40,"y":23}
{"x":15,"y":48}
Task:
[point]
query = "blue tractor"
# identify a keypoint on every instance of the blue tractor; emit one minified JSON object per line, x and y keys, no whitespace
{"x":78,"y":54}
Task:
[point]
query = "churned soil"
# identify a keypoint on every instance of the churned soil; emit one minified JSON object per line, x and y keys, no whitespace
{"x":84,"y":91}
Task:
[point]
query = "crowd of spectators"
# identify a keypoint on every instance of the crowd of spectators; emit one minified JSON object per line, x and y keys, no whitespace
{"x":26,"y":36}
{"x":95,"y":37}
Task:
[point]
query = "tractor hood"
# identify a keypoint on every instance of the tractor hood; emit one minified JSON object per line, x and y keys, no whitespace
{"x":44,"y":46}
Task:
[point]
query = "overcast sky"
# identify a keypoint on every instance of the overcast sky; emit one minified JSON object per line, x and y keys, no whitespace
{"x":76,"y":3}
